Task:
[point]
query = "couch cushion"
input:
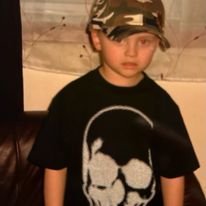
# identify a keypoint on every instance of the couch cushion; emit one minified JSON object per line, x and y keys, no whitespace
{"x":21,"y":183}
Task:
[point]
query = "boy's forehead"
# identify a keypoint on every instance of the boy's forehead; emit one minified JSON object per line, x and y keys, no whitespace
{"x":144,"y":34}
{"x":141,"y":35}
{"x":136,"y":36}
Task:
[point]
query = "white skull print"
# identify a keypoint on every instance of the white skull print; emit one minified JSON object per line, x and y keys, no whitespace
{"x":117,"y":162}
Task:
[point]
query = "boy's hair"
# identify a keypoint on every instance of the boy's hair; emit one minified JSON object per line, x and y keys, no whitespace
{"x":121,"y":18}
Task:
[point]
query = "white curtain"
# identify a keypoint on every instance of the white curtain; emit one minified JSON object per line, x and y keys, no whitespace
{"x":54,"y":39}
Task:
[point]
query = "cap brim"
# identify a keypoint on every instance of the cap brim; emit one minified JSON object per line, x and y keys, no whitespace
{"x":121,"y":32}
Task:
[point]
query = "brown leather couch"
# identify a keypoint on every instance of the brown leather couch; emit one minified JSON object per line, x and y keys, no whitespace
{"x":21,"y":183}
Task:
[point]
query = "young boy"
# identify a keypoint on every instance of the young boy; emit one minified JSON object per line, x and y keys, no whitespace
{"x":120,"y":135}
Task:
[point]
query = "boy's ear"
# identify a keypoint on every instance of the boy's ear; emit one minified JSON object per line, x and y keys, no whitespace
{"x":95,"y":38}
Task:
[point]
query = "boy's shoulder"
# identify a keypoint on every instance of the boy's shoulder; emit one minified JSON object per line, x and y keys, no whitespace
{"x":160,"y":93}
{"x":77,"y":86}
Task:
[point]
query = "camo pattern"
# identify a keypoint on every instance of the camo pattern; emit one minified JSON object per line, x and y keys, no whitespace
{"x":121,"y":18}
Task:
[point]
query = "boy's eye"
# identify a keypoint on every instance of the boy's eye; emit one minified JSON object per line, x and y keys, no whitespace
{"x":140,"y":42}
{"x":145,"y":41}
{"x":121,"y":42}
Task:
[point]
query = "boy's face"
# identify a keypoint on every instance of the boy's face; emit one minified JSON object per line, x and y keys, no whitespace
{"x":124,"y":61}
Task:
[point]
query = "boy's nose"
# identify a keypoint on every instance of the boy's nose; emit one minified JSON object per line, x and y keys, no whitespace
{"x":131,"y":50}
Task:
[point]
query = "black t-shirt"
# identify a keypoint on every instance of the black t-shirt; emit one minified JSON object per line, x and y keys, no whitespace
{"x":115,"y":141}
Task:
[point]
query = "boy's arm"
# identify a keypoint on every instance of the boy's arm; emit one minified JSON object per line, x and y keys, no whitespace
{"x":54,"y":187}
{"x":173,"y":191}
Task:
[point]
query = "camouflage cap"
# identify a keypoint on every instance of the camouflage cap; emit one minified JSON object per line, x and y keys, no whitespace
{"x":121,"y":18}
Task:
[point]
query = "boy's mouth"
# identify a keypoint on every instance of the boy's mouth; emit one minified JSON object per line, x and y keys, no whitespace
{"x":129,"y":64}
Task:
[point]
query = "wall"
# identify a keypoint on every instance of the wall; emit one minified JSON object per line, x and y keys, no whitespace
{"x":39,"y":88}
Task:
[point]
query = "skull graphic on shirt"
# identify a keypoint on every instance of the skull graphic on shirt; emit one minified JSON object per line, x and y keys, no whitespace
{"x":117,"y":162}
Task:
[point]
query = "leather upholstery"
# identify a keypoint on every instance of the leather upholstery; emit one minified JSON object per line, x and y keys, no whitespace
{"x":21,"y":183}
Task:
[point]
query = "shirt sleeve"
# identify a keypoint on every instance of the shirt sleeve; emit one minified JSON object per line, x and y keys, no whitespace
{"x":51,"y":148}
{"x":175,"y":155}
